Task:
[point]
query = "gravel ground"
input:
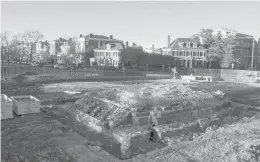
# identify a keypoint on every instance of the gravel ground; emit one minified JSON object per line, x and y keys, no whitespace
{"x":34,"y":127}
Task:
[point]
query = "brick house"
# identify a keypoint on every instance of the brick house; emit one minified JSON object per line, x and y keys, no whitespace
{"x":85,"y":45}
{"x":186,"y":53}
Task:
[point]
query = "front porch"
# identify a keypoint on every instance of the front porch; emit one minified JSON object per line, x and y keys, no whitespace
{"x":184,"y":63}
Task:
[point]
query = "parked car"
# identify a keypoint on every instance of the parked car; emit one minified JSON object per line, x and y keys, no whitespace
{"x":34,"y":64}
{"x":72,"y":67}
{"x":56,"y":66}
{"x":40,"y":64}
{"x":20,"y":78}
{"x":61,"y":66}
{"x":48,"y":65}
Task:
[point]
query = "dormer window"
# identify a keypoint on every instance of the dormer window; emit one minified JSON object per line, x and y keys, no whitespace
{"x":191,"y":45}
{"x":181,"y":44}
{"x":184,"y":45}
{"x":188,"y":45}
{"x":195,"y":45}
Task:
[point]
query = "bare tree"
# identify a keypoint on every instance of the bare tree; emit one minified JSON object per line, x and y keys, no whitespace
{"x":5,"y":42}
{"x":30,"y":38}
{"x":17,"y":47}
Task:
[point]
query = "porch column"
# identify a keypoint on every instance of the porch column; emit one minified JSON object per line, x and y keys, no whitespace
{"x":191,"y":63}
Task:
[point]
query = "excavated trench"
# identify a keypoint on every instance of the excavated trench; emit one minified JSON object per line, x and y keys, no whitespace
{"x":185,"y":128}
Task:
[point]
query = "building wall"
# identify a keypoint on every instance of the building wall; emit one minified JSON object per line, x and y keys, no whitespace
{"x":52,"y":48}
{"x":80,"y":45}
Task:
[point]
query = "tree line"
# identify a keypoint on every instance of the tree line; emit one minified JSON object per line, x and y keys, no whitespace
{"x":12,"y":44}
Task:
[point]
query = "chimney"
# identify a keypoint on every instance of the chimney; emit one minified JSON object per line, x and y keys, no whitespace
{"x":126,"y":44}
{"x":153,"y":46}
{"x":111,"y":37}
{"x":80,"y":35}
{"x":90,"y":35}
{"x":60,"y":39}
{"x":169,"y":40}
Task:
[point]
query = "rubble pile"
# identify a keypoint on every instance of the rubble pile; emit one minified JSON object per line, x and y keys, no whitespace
{"x":113,"y":105}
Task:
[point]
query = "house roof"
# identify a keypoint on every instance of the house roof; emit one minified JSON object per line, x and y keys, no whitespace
{"x":114,"y":46}
{"x":60,"y":40}
{"x":101,"y":37}
{"x":175,"y":43}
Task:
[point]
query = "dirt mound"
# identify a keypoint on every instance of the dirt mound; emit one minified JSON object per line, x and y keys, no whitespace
{"x":236,"y":142}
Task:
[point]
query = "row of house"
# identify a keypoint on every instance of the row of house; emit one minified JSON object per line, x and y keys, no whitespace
{"x":108,"y":51}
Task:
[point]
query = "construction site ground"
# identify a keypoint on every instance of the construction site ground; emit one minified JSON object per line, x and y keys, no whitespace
{"x":53,"y":134}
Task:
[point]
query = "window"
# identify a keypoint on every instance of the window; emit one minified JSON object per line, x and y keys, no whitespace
{"x":113,"y":54}
{"x":187,"y":53}
{"x":184,"y":45}
{"x":181,"y":62}
{"x":194,"y":53}
{"x":191,"y":45}
{"x":177,"y":54}
{"x":201,"y":53}
{"x":107,"y":54}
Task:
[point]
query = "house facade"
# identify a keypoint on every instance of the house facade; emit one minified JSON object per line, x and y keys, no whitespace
{"x":186,"y":53}
{"x":40,"y":50}
{"x":55,"y":50}
{"x":64,"y":53}
{"x":109,"y":55}
{"x":85,"y":45}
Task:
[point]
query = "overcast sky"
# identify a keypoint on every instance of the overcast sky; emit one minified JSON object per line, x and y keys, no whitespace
{"x":145,"y":23}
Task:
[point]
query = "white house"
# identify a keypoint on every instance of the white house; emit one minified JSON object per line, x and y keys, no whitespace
{"x":109,"y":55}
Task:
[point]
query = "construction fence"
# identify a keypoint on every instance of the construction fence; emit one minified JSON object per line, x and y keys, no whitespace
{"x":10,"y":71}
{"x":138,"y":71}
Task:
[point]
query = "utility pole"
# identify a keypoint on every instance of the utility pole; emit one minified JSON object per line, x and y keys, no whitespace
{"x":253,"y":47}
